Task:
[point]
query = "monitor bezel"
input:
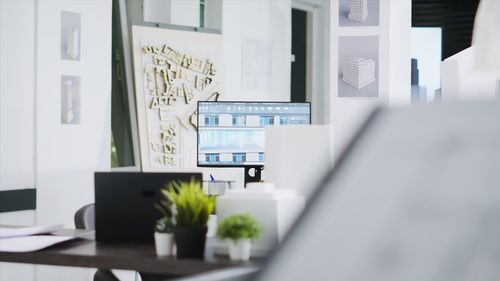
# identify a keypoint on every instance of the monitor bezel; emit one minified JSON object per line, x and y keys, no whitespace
{"x":227,"y":101}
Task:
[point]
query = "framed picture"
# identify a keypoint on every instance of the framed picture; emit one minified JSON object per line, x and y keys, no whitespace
{"x":359,"y":12}
{"x":358,"y":66}
{"x":173,"y":70}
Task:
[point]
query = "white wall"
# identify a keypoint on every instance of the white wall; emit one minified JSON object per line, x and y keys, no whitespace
{"x":67,"y":155}
{"x":399,"y":26}
{"x":17,"y":83}
{"x":17,"y":97}
{"x":267,"y":22}
{"x":35,"y":148}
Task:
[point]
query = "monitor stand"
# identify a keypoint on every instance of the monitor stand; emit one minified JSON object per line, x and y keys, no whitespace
{"x":253,"y":174}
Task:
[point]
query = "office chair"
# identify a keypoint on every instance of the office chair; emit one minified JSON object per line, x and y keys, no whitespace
{"x":85,"y":219}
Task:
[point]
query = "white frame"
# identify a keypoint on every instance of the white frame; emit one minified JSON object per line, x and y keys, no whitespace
{"x":318,"y":70}
{"x":129,"y":77}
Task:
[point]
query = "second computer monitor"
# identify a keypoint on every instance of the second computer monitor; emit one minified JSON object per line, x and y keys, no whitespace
{"x":231,"y":134}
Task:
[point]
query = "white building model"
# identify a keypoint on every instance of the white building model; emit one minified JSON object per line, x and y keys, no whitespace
{"x":359,"y":72}
{"x":358,"y":10}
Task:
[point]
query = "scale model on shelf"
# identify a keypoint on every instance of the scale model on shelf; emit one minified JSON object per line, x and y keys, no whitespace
{"x":358,"y":67}
{"x":359,"y":12}
{"x":359,"y":72}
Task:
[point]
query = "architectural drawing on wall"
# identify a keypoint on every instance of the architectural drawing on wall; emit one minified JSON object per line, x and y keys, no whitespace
{"x":359,"y":72}
{"x":257,"y":64}
{"x":358,"y":66}
{"x":70,"y":36}
{"x":358,"y":10}
{"x":70,"y":99}
{"x":173,"y":71}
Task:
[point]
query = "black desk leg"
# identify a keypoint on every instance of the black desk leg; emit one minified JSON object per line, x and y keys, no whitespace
{"x":104,"y":275}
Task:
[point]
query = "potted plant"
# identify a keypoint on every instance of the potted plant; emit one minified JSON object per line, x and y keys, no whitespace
{"x":240,"y":230}
{"x":192,"y":208}
{"x":164,"y":238}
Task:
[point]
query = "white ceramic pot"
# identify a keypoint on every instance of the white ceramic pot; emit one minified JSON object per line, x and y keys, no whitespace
{"x":212,"y":225}
{"x":239,"y":250}
{"x":164,"y":243}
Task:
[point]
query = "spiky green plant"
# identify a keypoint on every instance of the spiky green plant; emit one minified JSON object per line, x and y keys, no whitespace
{"x":192,"y":207}
{"x":240,"y":226}
{"x":165,"y":206}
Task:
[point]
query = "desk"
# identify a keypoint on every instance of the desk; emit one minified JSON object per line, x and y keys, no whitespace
{"x":85,"y":252}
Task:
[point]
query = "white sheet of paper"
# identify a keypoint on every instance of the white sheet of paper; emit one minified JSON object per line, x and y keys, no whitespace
{"x":24,"y":231}
{"x":257,"y":67}
{"x":30,"y":243}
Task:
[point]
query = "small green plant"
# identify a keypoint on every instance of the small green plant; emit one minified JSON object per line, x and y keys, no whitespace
{"x":164,"y":225}
{"x":191,"y":206}
{"x":165,"y":206}
{"x":240,"y":226}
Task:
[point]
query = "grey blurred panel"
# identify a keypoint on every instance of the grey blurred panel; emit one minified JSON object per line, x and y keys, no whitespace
{"x":417,"y":197}
{"x":232,"y":274}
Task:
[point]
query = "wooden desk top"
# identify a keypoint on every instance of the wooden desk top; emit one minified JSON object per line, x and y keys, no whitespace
{"x":85,"y":252}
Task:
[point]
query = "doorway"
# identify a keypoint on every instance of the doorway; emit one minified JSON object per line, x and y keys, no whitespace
{"x":298,"y":87}
{"x":310,"y":66}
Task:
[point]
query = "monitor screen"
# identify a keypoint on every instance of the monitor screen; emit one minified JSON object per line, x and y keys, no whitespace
{"x":231,"y":134}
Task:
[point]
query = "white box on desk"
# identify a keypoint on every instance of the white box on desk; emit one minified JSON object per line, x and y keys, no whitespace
{"x":275,"y":210}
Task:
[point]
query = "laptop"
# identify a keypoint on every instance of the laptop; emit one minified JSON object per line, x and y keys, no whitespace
{"x":124,"y":204}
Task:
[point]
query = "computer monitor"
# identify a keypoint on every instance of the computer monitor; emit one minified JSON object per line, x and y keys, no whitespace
{"x":231,"y":134}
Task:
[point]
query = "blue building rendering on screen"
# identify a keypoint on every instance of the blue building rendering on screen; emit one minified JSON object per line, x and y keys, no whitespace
{"x":232,"y":133}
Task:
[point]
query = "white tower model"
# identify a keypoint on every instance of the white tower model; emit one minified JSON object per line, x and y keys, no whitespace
{"x":359,"y":72}
{"x":358,"y":10}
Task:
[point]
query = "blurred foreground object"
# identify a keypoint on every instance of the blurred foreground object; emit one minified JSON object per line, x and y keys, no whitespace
{"x":274,"y":209}
{"x":415,"y":197}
